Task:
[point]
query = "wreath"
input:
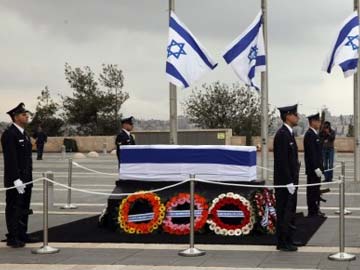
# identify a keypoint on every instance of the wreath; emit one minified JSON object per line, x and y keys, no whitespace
{"x":264,"y":204}
{"x":177,"y":210}
{"x":231,"y":214}
{"x":131,"y":221}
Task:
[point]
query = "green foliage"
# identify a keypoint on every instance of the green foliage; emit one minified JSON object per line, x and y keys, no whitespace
{"x":92,"y":110}
{"x":45,"y":115}
{"x":222,"y":106}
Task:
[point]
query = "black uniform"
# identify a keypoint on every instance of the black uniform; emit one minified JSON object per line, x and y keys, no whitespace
{"x":286,"y":171}
{"x":123,"y":139}
{"x":41,"y":139}
{"x":17,"y":165}
{"x":313,"y":161}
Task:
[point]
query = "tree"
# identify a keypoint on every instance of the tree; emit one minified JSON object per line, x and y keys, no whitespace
{"x":92,"y":110}
{"x":221,"y":106}
{"x":112,"y":78}
{"x":45,"y":115}
{"x":350,"y":132}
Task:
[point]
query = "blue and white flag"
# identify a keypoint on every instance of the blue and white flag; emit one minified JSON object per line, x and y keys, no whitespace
{"x":344,"y":52}
{"x":187,"y":60}
{"x":246,"y":54}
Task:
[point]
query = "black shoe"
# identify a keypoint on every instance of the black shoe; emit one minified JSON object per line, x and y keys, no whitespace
{"x":15,"y":243}
{"x":287,"y":248}
{"x":30,"y":239}
{"x":297,"y":243}
{"x":326,"y":190}
{"x":318,"y":214}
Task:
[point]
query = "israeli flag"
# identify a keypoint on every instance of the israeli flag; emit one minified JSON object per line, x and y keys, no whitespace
{"x":246,"y":54}
{"x":344,"y":52}
{"x":187,"y":59}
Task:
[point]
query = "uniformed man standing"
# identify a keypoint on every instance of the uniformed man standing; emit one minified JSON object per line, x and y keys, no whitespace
{"x":124,"y":137}
{"x":17,"y":151}
{"x":286,"y":172}
{"x":41,"y":139}
{"x":313,"y":165}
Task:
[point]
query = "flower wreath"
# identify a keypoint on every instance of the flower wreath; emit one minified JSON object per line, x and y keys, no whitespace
{"x":135,"y":223}
{"x":243,"y":209}
{"x":264,"y":205}
{"x":201,"y":214}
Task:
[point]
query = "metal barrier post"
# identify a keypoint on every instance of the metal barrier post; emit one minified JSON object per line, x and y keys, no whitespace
{"x":342,"y":255}
{"x":45,"y":249}
{"x":192,"y":251}
{"x":50,"y":175}
{"x":63,"y":151}
{"x":69,"y":205}
{"x":346,"y":211}
{"x":104,"y":148}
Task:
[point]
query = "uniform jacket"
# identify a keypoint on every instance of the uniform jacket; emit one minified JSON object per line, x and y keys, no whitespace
{"x":40,"y":137}
{"x":17,"y":151}
{"x":312,"y":152}
{"x":123,"y":139}
{"x":286,"y":162}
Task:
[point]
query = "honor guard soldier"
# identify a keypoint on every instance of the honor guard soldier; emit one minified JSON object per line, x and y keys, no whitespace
{"x":124,"y":137}
{"x":17,"y":151}
{"x":313,"y":165}
{"x":286,"y":172}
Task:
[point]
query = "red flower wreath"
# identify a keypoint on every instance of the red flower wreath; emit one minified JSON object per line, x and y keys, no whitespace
{"x":264,"y":203}
{"x":181,"y":199}
{"x":219,"y":227}
{"x":143,"y":227}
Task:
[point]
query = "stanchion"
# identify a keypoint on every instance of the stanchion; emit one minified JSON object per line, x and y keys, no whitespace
{"x":45,"y":249}
{"x":104,"y":148}
{"x":63,"y":151}
{"x":342,"y":255}
{"x":346,"y":211}
{"x":50,"y":175}
{"x":69,"y":205}
{"x":192,"y":251}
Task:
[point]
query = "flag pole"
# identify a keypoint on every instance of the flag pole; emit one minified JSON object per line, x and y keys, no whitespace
{"x":264,"y":99}
{"x":356,"y":110}
{"x":172,"y":97}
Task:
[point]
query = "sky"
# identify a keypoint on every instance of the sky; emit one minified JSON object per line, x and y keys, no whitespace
{"x":38,"y":37}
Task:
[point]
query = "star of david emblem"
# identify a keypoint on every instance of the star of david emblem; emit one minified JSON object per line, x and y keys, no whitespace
{"x":351,"y":42}
{"x":175,"y":49}
{"x":253,"y":53}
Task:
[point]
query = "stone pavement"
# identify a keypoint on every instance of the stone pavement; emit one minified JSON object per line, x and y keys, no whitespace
{"x":138,"y":256}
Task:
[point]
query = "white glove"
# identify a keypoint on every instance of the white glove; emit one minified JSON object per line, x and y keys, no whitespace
{"x":318,"y":172}
{"x":291,"y":188}
{"x":19,"y":186}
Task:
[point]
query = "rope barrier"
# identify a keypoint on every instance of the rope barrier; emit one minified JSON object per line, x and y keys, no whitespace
{"x":25,"y":184}
{"x":266,"y":186}
{"x":116,"y":194}
{"x":94,"y":171}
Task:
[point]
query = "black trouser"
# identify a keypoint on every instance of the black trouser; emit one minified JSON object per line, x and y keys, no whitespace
{"x":285,"y":212}
{"x":40,"y":150}
{"x":17,"y":213}
{"x":313,"y":195}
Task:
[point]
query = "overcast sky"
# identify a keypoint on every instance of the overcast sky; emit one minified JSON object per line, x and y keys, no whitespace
{"x":37,"y":37}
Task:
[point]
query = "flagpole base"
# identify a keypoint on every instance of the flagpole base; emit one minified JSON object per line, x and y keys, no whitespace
{"x":342,"y":256}
{"x":192,"y":252}
{"x":69,"y":206}
{"x":45,"y":250}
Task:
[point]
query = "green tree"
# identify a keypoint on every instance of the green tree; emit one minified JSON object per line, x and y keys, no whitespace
{"x":350,"y":132}
{"x":45,"y":115}
{"x":91,"y":110}
{"x":221,"y":106}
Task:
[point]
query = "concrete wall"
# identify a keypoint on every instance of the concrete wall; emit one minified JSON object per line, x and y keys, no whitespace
{"x":185,"y":137}
{"x":342,"y":144}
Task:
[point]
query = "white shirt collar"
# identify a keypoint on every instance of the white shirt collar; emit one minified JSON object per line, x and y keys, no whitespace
{"x":313,"y":129}
{"x":127,"y":132}
{"x":19,"y":128}
{"x":289,"y":128}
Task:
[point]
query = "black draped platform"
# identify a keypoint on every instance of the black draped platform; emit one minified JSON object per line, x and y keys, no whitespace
{"x":90,"y":230}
